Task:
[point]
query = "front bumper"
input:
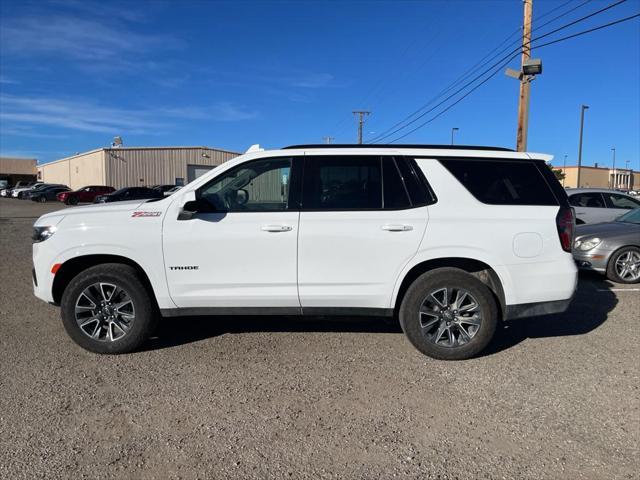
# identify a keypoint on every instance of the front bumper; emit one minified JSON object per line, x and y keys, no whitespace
{"x":596,"y":260}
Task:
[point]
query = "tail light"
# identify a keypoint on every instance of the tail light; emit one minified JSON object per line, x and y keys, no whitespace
{"x":566,"y":223}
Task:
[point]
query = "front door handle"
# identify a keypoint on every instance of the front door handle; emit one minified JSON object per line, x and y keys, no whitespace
{"x":276,"y":228}
{"x":397,"y":228}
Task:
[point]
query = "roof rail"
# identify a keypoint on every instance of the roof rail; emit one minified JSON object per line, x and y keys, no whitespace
{"x":390,"y":145}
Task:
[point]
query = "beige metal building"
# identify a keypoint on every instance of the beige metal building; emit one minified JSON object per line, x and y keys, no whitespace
{"x":133,"y":166}
{"x":598,"y":177}
{"x":14,"y":169}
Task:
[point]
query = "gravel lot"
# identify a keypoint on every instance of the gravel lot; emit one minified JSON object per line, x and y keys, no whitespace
{"x":555,"y":397}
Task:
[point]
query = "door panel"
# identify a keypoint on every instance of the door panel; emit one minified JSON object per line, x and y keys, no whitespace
{"x":239,"y":264}
{"x":240,"y":248}
{"x":357,"y":231}
{"x":352,"y":259}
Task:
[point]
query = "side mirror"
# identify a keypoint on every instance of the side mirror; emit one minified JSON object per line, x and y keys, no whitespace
{"x":192,"y":207}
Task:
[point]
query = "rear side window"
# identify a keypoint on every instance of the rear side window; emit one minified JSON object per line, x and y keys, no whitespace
{"x":589,"y":199}
{"x":394,"y":192}
{"x":342,"y":183}
{"x":502,"y":182}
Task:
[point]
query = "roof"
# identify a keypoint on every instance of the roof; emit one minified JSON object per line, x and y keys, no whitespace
{"x":398,"y":146}
{"x":609,"y":169}
{"x":104,"y":149}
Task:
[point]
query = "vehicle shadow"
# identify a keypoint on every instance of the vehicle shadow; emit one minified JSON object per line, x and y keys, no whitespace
{"x":588,"y":310}
{"x":175,"y":331}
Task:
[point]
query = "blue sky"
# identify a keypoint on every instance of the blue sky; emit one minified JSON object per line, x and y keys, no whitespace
{"x":229,"y":74}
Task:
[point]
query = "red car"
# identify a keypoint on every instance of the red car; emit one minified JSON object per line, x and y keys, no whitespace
{"x":84,"y":194}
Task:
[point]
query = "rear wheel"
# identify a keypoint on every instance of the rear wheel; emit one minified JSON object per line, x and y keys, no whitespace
{"x":43,"y":199}
{"x":624,"y":266}
{"x":72,"y":201}
{"x":449,"y":314}
{"x":107,"y":309}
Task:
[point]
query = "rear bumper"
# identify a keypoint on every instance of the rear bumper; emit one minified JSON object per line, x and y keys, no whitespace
{"x":513,"y":312}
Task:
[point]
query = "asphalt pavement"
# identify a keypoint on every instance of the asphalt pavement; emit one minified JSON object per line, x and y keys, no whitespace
{"x":252,"y":398}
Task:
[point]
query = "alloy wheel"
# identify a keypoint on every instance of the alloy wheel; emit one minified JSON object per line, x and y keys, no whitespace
{"x":104,"y":312}
{"x":450,"y":317}
{"x":628,"y":266}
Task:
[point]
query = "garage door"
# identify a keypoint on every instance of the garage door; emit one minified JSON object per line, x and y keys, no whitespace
{"x":194,"y":171}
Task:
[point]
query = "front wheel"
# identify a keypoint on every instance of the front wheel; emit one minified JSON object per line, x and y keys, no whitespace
{"x":449,"y":314}
{"x":107,"y":309}
{"x":624,"y":266}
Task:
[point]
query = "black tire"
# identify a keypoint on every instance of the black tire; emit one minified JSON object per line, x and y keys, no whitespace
{"x":42,"y":199}
{"x":451,"y":278}
{"x":612,"y":274}
{"x":72,"y":201}
{"x":127,"y":279}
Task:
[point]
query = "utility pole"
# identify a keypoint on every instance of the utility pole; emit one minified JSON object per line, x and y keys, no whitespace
{"x":328,"y":139}
{"x":564,"y":169}
{"x":525,"y":82}
{"x":361,"y":114}
{"x":613,"y":180}
{"x":454,"y":129}
{"x":582,"y":109}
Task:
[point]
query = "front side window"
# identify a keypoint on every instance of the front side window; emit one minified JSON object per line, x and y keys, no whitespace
{"x":261,"y":185}
{"x":622,"y":201}
{"x":589,"y":200}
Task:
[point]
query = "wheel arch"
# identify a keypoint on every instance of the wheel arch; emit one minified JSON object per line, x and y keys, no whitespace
{"x":72,"y":267}
{"x":477,"y":268}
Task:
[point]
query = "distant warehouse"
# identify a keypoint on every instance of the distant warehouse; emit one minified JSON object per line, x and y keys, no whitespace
{"x":133,"y":166}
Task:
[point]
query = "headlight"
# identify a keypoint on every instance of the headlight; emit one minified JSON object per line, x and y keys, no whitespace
{"x":40,"y":234}
{"x":587,"y":244}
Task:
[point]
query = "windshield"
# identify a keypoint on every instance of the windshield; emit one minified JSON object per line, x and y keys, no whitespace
{"x":630,"y":217}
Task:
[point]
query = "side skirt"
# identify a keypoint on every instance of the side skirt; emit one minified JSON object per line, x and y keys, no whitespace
{"x":249,"y":311}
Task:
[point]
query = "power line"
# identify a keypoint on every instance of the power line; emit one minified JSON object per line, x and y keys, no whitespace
{"x":482,"y":60}
{"x":408,"y":122}
{"x":562,"y":39}
{"x":493,"y":74}
{"x":568,"y":37}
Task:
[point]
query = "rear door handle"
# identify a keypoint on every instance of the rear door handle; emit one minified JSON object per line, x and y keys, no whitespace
{"x":397,"y":228}
{"x":276,"y":228}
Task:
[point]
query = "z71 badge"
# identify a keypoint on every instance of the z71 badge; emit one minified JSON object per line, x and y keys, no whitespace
{"x":146,"y":214}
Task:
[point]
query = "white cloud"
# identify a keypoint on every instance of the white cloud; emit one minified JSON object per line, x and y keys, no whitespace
{"x":20,"y":112}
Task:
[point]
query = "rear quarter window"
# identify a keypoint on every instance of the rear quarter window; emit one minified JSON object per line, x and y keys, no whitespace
{"x":502,"y":182}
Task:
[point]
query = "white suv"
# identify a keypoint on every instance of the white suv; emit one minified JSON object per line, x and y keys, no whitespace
{"x":451,"y":240}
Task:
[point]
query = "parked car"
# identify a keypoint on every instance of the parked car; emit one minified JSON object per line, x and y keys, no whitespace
{"x":443,"y":237}
{"x":84,"y":194}
{"x":130,"y":193}
{"x":163,"y":188}
{"x":172,"y":191}
{"x":611,"y":248}
{"x":17,"y":192}
{"x":594,"y":205}
{"x":27,"y":194}
{"x":6,"y":192}
{"x":48,"y":194}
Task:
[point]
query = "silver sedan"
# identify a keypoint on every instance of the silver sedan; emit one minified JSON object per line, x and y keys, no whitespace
{"x":611,"y":248}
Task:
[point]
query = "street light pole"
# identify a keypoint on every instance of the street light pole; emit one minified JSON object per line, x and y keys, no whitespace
{"x":454,"y":129}
{"x":582,"y":109}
